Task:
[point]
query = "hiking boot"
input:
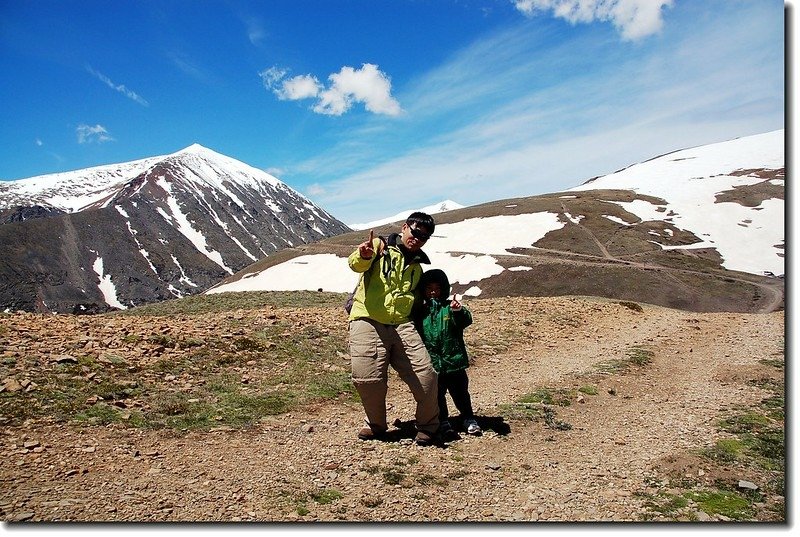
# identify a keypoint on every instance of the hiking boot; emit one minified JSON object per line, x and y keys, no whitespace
{"x":368,"y":433}
{"x":423,"y":438}
{"x":472,"y":426}
{"x":446,"y":432}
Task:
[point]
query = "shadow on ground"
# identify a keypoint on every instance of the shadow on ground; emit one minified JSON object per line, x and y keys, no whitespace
{"x":408,"y":430}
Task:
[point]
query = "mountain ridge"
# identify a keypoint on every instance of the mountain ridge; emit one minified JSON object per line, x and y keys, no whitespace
{"x":613,"y":242}
{"x":161,"y":227}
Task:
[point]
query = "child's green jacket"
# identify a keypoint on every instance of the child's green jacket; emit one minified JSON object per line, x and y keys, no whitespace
{"x":443,"y":333}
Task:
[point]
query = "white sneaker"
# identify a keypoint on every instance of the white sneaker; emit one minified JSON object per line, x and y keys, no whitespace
{"x":472,"y":426}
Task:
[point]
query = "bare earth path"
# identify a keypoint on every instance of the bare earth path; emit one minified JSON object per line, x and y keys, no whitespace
{"x":643,"y":422}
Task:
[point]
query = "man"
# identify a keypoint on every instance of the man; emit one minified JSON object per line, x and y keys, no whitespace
{"x":381,"y":329}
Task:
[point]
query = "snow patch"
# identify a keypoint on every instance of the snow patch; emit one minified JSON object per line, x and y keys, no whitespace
{"x":617,"y":220}
{"x":473,"y":291}
{"x":106,"y":286}
{"x":186,"y":229}
{"x":475,"y":240}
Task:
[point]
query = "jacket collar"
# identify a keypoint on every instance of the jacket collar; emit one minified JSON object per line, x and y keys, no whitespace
{"x":410,"y":257}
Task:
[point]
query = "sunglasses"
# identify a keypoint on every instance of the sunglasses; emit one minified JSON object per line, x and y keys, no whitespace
{"x":419,"y":234}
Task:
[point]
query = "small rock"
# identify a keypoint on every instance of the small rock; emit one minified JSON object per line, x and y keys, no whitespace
{"x":20,"y":517}
{"x":747,"y":485}
{"x":493,"y":466}
{"x":11,"y":385}
{"x":702,"y":516}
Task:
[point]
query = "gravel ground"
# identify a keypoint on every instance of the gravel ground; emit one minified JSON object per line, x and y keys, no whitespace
{"x":594,"y":460}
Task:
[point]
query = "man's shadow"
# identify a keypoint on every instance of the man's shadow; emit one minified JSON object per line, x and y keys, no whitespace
{"x":408,"y":429}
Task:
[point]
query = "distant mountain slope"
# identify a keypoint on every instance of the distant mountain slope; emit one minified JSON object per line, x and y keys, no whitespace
{"x":437,"y":208}
{"x":144,"y":231}
{"x":730,"y":195}
{"x":699,"y":229}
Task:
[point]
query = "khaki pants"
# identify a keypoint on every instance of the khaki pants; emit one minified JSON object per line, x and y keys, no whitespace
{"x":373,"y":348}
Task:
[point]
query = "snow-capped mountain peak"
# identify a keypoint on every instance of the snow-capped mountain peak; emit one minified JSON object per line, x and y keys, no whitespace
{"x":179,"y":222}
{"x":441,"y":207}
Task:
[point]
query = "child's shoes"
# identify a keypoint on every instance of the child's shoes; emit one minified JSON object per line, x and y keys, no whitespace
{"x":472,"y":426}
{"x":446,"y":432}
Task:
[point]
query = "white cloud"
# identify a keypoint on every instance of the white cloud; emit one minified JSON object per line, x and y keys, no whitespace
{"x":299,"y":87}
{"x":635,"y":19}
{"x":38,"y":142}
{"x":118,"y":87}
{"x":88,"y":134}
{"x":367,"y":85}
{"x":270,"y":77}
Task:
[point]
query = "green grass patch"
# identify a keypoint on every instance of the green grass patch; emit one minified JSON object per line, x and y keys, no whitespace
{"x":200,"y":382}
{"x":725,"y":450}
{"x":774,"y":362}
{"x":249,"y":300}
{"x":326,"y":496}
{"x":538,"y":406}
{"x":634,"y":356}
{"x":549,"y":396}
{"x":724,"y":503}
{"x":666,"y":504}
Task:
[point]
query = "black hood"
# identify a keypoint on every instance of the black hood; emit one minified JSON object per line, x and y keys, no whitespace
{"x":436,"y":276}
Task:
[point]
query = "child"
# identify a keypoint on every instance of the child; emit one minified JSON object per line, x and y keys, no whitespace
{"x":442,"y":325}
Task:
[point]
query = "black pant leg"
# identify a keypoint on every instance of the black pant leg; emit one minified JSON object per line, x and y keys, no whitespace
{"x":459,"y":391}
{"x":443,"y":387}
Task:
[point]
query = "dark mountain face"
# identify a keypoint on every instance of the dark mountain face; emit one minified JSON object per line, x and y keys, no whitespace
{"x":173,"y":227}
{"x":22,"y":213}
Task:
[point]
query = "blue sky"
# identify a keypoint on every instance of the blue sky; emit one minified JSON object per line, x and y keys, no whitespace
{"x":370,"y":107}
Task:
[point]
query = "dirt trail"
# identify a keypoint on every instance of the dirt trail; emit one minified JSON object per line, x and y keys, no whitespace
{"x":308,"y":465}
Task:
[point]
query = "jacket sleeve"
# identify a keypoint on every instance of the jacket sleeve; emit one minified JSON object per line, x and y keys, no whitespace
{"x":461,"y":318}
{"x":358,"y":263}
